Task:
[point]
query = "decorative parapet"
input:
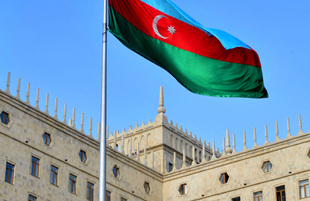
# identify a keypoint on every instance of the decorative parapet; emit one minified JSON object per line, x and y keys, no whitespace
{"x":46,"y":111}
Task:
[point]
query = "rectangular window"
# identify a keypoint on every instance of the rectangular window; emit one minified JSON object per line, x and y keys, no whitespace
{"x":170,"y":167}
{"x":72,"y":183}
{"x":32,"y":198}
{"x":34,"y":166}
{"x":258,"y":196}
{"x":54,"y":174}
{"x":123,"y":199}
{"x":280,"y":193}
{"x":108,"y":196}
{"x":304,"y":188}
{"x":236,"y":199}
{"x":90,"y":191}
{"x":9,"y":173}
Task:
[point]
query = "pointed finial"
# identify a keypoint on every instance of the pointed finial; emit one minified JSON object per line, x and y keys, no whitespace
{"x":224,"y":152}
{"x":55,"y":109}
{"x":300,"y":126}
{"x":244,"y":142}
{"x":234,"y":144}
{"x":130,"y":148}
{"x":193,"y":156}
{"x":277,"y":132}
{"x":255,"y":142}
{"x":65,"y":114}
{"x":161,"y":108}
{"x":228,"y":148}
{"x":46,"y":104}
{"x":288,"y":129}
{"x":7,"y":90}
{"x":213,"y":151}
{"x":18,"y":89}
{"x":90,"y":134}
{"x":37,"y":99}
{"x":73,"y":118}
{"x":82,"y":123}
{"x":171,"y":122}
{"x":203,"y":151}
{"x":123,"y":145}
{"x":266,"y":135}
{"x":27,"y":94}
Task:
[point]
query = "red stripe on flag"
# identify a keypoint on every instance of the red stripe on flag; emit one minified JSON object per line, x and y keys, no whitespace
{"x":185,"y":36}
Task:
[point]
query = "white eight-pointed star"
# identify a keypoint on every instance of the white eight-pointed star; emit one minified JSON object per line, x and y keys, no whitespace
{"x":171,"y":29}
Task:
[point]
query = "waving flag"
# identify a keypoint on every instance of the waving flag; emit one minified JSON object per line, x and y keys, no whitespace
{"x":205,"y":61}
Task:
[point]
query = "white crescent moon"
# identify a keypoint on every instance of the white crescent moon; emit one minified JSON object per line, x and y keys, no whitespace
{"x":156,"y":19}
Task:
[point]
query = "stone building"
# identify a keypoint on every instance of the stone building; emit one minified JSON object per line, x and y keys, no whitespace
{"x":46,"y":157}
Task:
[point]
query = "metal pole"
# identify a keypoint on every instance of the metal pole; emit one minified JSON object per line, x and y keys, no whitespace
{"x":102,"y":172}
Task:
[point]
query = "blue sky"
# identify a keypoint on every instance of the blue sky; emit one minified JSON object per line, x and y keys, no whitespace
{"x":56,"y":46}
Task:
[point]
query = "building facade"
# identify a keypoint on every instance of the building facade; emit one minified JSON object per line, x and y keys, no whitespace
{"x":46,"y":157}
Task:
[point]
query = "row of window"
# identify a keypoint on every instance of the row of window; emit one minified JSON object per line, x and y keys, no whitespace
{"x":280,"y":192}
{"x":4,"y":118}
{"x":304,"y":192}
{"x":9,"y":178}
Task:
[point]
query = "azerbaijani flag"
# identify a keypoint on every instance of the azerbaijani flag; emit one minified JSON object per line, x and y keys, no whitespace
{"x":205,"y":61}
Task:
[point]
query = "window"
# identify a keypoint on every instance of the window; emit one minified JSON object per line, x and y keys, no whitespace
{"x":90,"y":191}
{"x":32,"y":198}
{"x":183,"y":189}
{"x":108,"y":196}
{"x":280,"y":193}
{"x":236,"y":199}
{"x":304,"y":188}
{"x":72,"y":183}
{"x":9,"y":173}
{"x":224,"y":178}
{"x":170,"y":167}
{"x":308,"y":154}
{"x":46,"y":139}
{"x":258,"y":196}
{"x":34,"y":166}
{"x":123,"y":199}
{"x":82,"y":155}
{"x":4,"y":118}
{"x":147,"y":188}
{"x":267,"y":166}
{"x":54,"y":174}
{"x":116,"y":171}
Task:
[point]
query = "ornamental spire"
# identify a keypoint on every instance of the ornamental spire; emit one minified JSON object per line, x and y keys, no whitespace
{"x":161,"y":108}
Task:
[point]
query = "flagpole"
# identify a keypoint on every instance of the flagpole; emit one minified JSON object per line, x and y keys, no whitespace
{"x":103,"y":113}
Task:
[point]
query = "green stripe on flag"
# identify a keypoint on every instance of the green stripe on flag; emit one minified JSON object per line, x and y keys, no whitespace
{"x":197,"y":73}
